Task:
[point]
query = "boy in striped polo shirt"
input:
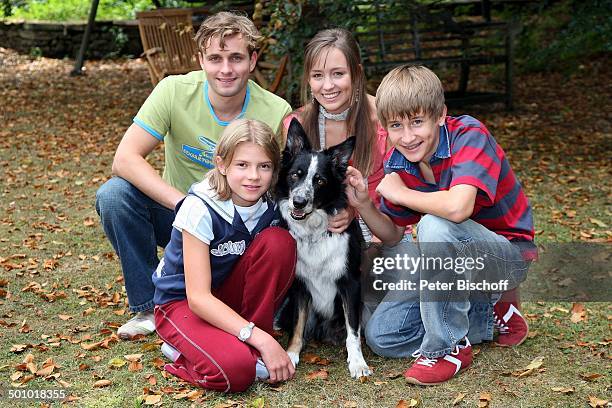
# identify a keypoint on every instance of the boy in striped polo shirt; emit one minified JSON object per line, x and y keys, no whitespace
{"x":449,"y":175}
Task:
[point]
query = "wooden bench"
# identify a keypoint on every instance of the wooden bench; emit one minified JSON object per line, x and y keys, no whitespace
{"x":418,"y":35}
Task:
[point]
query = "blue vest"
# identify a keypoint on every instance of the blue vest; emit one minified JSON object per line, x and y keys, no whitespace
{"x":228,"y":245}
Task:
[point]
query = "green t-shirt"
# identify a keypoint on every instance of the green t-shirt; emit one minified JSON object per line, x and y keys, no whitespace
{"x":178,"y":112}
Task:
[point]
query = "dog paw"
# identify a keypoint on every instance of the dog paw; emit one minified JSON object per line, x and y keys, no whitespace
{"x":295,"y":357}
{"x":359,"y":369}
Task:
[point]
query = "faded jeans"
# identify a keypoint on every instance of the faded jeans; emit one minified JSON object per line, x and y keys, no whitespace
{"x":433,"y":323}
{"x":135,"y":225}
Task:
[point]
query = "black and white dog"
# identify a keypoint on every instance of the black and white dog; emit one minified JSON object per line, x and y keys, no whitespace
{"x":310,"y":189}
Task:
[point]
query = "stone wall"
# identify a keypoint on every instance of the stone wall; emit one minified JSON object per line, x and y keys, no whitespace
{"x":58,"y":40}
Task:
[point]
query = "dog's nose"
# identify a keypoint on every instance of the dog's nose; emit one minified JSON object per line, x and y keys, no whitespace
{"x":299,"y":202}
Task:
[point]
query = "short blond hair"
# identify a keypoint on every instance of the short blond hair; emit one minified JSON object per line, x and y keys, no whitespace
{"x":239,"y":131}
{"x":407,"y":91}
{"x":226,"y":24}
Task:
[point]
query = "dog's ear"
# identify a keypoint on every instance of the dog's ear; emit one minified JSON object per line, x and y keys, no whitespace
{"x":297,"y":140}
{"x":340,"y":154}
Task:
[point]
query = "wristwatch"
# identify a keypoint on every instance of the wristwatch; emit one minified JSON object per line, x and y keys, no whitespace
{"x":246,"y":332}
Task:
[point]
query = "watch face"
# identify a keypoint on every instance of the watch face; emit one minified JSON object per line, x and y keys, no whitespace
{"x":244,"y":332}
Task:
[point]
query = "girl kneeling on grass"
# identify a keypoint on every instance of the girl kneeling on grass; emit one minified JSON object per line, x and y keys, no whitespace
{"x":225,"y":270}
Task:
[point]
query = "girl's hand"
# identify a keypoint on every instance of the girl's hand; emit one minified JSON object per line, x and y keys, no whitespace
{"x":356,"y":190}
{"x":340,"y":222}
{"x":277,"y":360}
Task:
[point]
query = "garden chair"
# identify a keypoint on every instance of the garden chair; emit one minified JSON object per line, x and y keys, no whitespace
{"x":167,"y":41}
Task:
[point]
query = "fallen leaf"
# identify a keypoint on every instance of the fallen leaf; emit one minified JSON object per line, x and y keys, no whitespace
{"x":257,"y":403}
{"x":598,"y":222}
{"x":45,"y":371}
{"x":393,"y":374}
{"x":578,"y":313}
{"x":534,"y":365}
{"x":407,"y":404}
{"x":590,"y":377}
{"x":134,"y":366}
{"x":152,"y":399}
{"x":102,"y":383}
{"x":458,"y":398}
{"x":64,"y":317}
{"x":564,"y":390}
{"x":117,"y":363}
{"x":595,"y":402}
{"x":133,"y":357}
{"x":484,"y":399}
{"x":321,"y":374}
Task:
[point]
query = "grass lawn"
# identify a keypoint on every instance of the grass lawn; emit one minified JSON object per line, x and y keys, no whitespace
{"x":61,"y":295}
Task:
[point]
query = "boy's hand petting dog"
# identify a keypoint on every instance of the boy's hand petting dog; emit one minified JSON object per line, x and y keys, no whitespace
{"x":391,"y":187}
{"x":340,"y":222}
{"x":356,"y":190}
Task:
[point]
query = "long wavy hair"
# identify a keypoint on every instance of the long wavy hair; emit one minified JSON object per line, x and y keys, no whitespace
{"x":359,"y":120}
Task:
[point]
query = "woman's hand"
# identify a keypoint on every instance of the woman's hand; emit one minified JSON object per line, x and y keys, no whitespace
{"x":340,"y":222}
{"x":276,"y":359}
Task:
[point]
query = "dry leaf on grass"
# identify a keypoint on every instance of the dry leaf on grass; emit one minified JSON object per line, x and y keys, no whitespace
{"x":534,"y":365}
{"x":484,"y":399}
{"x":116,"y":363}
{"x":597,"y":402}
{"x":321,"y":374}
{"x":564,"y":390}
{"x":102,"y":383}
{"x":407,"y":404}
{"x":458,"y":398}
{"x":578,"y":313}
{"x":152,"y":399}
{"x":590,"y":377}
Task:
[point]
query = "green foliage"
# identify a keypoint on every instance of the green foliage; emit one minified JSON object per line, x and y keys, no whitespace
{"x":36,"y":52}
{"x":66,"y":10}
{"x":290,"y":24}
{"x":559,"y":37}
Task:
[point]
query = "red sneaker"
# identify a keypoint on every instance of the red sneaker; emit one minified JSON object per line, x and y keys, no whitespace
{"x":512,"y":326}
{"x":432,"y":371}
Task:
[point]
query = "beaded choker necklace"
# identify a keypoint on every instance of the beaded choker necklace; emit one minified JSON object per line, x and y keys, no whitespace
{"x":334,"y":116}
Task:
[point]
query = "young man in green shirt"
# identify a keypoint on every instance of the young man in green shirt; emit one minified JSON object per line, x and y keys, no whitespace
{"x":188,"y":113}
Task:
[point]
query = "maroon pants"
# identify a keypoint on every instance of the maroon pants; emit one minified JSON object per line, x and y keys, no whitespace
{"x":210,"y":357}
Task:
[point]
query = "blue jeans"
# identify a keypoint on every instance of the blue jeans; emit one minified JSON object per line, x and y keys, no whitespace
{"x":434,"y":323}
{"x":135,"y":225}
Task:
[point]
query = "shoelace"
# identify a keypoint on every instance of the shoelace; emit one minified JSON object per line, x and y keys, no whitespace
{"x":429,"y":362}
{"x":500,"y":324}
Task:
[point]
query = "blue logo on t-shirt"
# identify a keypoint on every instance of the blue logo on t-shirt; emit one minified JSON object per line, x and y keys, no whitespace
{"x":204,"y":157}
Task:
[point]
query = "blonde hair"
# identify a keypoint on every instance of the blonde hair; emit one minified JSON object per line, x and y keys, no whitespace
{"x":359,"y":121}
{"x":226,"y":24}
{"x":239,"y":131}
{"x":407,"y":91}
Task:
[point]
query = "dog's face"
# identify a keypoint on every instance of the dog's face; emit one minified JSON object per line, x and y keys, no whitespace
{"x":312,"y":180}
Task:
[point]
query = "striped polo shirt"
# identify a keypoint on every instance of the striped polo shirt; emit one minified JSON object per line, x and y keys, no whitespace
{"x":468,"y":154}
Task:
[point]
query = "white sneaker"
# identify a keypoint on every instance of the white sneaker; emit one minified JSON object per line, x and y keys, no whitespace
{"x":261,"y":371}
{"x":170,"y":352}
{"x":143,"y":323}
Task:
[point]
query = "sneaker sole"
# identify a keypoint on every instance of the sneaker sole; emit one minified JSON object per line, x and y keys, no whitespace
{"x":412,"y":380}
{"x":520,"y":342}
